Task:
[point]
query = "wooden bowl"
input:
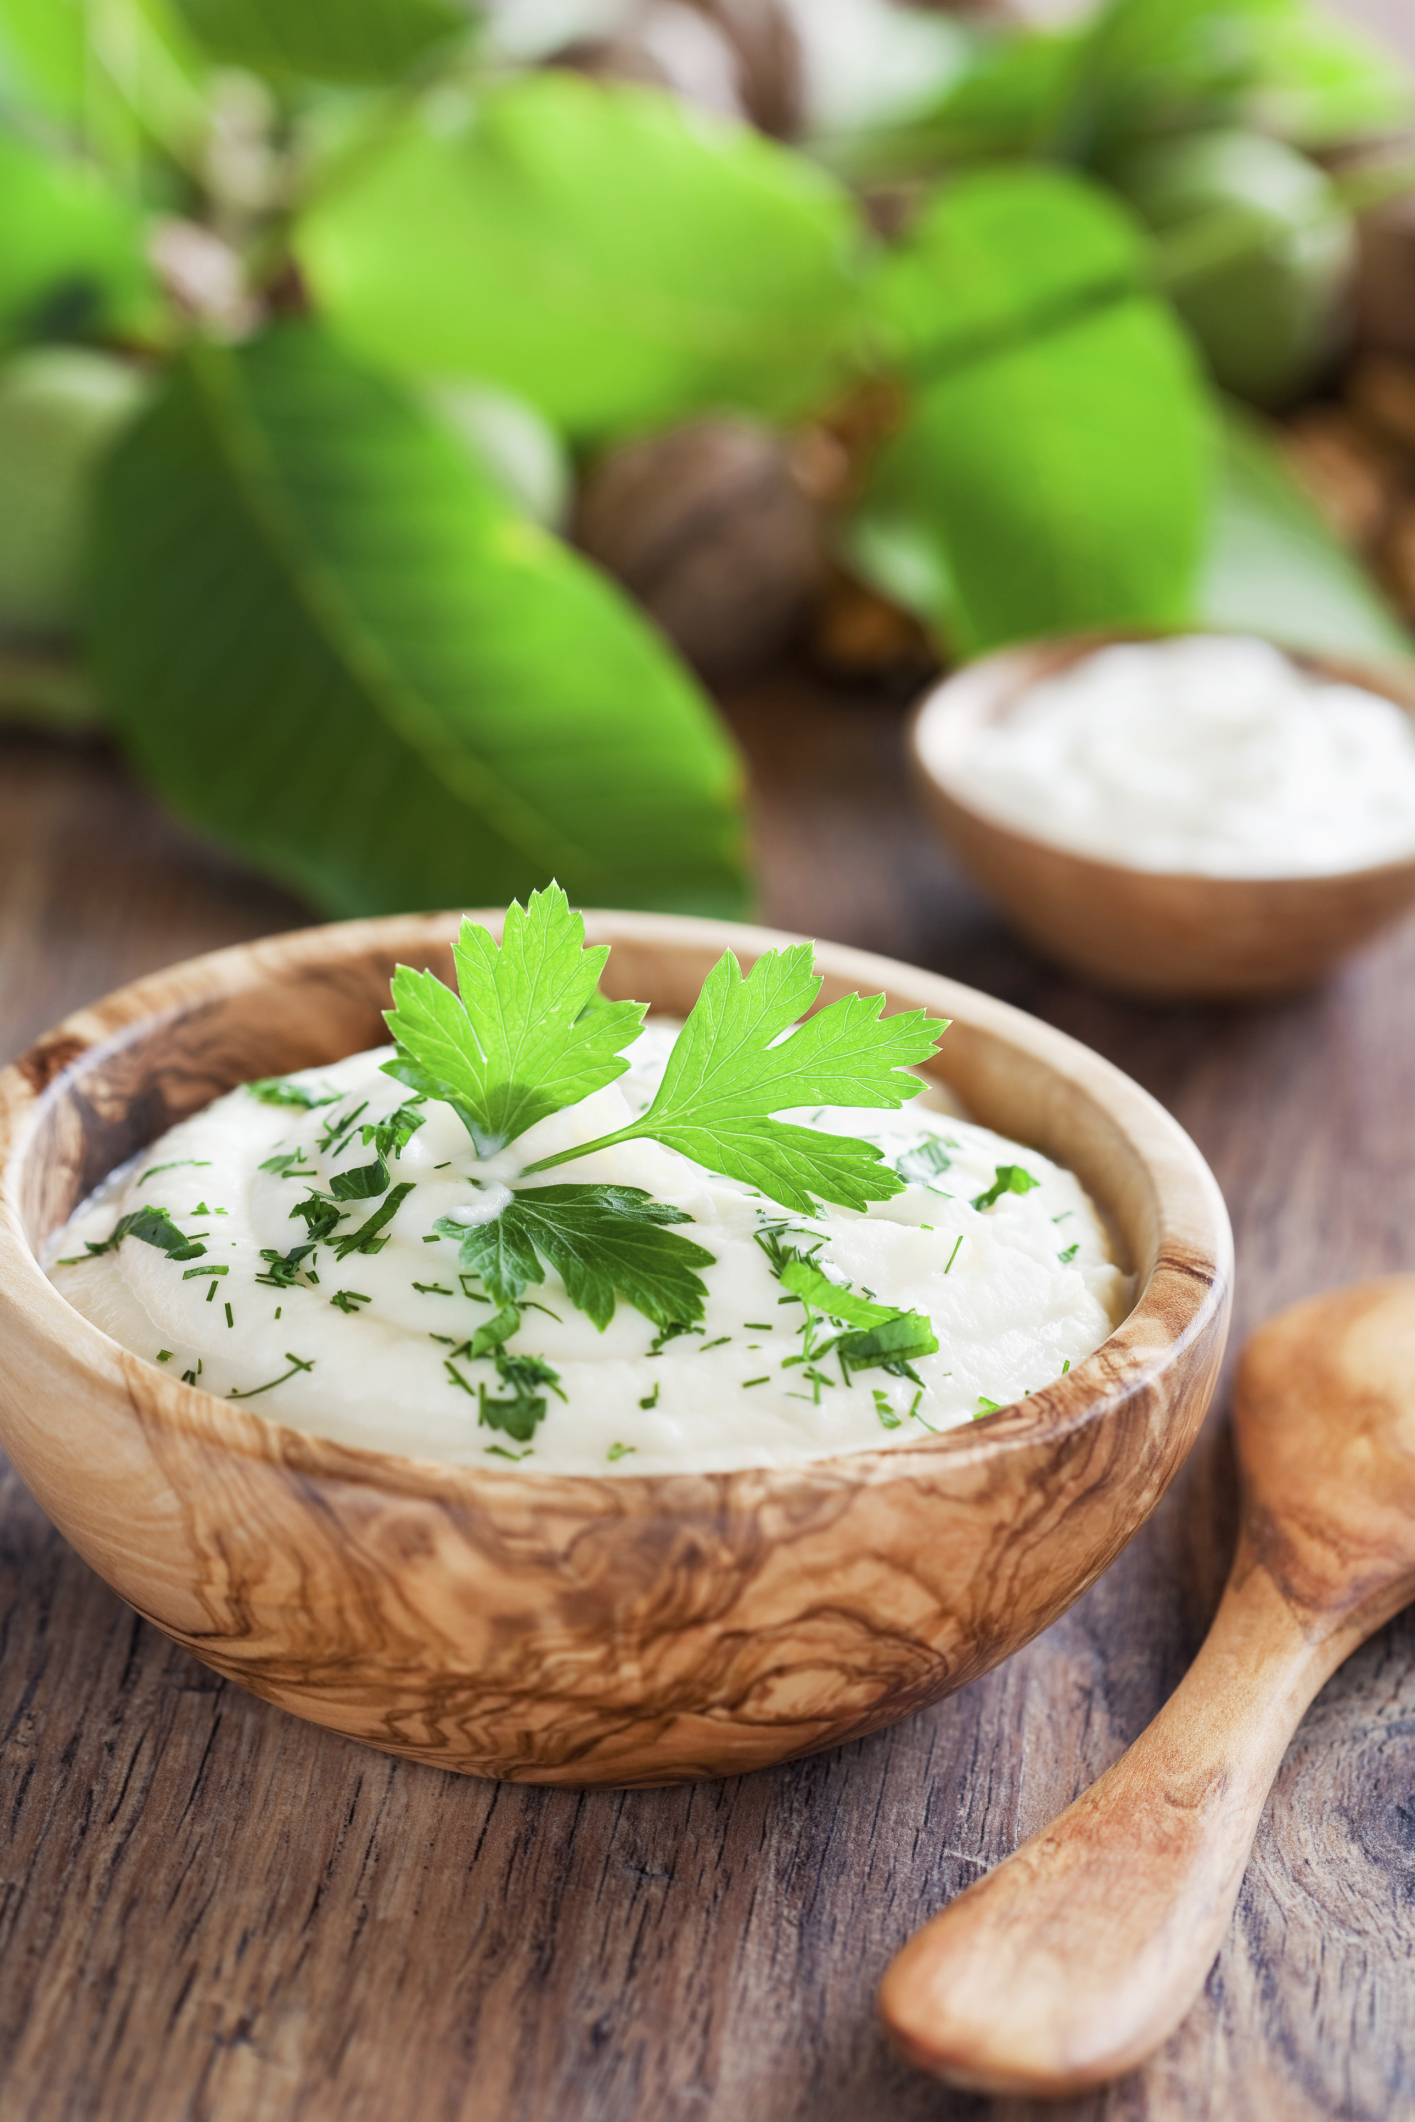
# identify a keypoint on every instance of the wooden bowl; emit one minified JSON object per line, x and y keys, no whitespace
{"x":585,"y":1629}
{"x":1146,"y":932}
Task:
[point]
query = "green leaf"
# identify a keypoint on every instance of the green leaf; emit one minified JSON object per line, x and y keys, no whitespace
{"x":367,"y":1238}
{"x":1274,"y":568}
{"x":1058,"y":485}
{"x":595,"y":247}
{"x":523,"y":1041}
{"x":1008,"y":1179}
{"x":599,"y":1240}
{"x":72,"y":262}
{"x":327,"y":40}
{"x":119,"y":80}
{"x":725,"y":1077}
{"x":998,"y":255}
{"x":364,"y":1183}
{"x":330,"y":641}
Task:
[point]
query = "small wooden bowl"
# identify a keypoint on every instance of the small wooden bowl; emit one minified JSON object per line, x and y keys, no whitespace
{"x":585,"y":1629}
{"x":1146,"y":932}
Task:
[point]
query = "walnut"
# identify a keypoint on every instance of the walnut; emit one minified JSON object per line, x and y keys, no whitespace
{"x":709,"y":528}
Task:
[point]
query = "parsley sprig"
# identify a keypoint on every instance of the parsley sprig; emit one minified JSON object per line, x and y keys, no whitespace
{"x":526,"y":1039}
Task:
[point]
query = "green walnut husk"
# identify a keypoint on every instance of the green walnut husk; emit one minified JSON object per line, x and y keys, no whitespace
{"x":1270,"y":321}
{"x":60,"y":407}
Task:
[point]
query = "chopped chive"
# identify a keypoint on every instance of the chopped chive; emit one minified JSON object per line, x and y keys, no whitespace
{"x":164,"y":1355}
{"x":652,"y":1398}
{"x":759,"y":1326}
{"x":1070,"y":1253}
{"x":620,"y":1451}
{"x":498,"y":1451}
{"x":764,"y":1380}
{"x":201,"y":1164}
{"x":986,"y":1406}
{"x":433,"y":1289}
{"x":230,"y":1321}
{"x":295,"y":1362}
{"x":954,"y":1254}
{"x":348,"y":1300}
{"x":885,"y":1412}
{"x":720,"y":1342}
{"x":1066,"y":1366}
{"x":210,"y":1291}
{"x":278,"y":1309}
{"x":190,"y":1274}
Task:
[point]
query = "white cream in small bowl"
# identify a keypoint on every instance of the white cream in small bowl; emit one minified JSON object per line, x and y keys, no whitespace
{"x":1204,"y":755}
{"x":1189,"y":817}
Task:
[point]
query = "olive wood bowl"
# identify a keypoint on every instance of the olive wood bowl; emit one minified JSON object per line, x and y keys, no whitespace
{"x":585,"y":1629}
{"x":1154,"y":933}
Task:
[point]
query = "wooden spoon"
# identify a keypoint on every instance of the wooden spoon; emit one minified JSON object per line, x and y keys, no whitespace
{"x":1076,"y":1958}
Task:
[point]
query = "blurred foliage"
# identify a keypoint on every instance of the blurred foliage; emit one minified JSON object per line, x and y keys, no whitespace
{"x":314,"y":311}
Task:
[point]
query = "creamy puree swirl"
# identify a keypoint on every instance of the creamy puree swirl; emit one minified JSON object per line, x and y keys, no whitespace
{"x":361,"y":1350}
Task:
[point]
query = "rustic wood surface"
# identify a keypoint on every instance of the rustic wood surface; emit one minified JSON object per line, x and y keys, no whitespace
{"x":210,"y":1910}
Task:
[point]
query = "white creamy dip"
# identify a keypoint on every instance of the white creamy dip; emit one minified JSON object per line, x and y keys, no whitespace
{"x":1204,"y":755}
{"x":361,"y":1350}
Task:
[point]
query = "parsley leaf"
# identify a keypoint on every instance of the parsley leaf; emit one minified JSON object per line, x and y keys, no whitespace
{"x":525,"y":1039}
{"x":600,"y":1240}
{"x":1008,"y":1179}
{"x":730,"y":1070}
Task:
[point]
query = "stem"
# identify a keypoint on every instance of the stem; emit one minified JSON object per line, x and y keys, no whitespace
{"x":586,"y":1149}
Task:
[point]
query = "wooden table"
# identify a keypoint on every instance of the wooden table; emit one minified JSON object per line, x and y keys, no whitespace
{"x":210,"y":1911}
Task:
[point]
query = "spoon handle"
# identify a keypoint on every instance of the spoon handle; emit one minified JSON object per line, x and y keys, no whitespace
{"x":1077,"y":1957}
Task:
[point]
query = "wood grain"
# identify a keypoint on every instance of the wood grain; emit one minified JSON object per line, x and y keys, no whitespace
{"x":211,"y":1910}
{"x":1146,"y":932}
{"x":1076,"y":1959}
{"x":586,"y":1629}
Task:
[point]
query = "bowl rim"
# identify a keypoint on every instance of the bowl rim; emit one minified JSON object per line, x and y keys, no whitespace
{"x":976,"y":687}
{"x":1184,"y":1298}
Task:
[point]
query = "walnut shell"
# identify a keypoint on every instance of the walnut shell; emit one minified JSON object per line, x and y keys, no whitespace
{"x":708,"y":527}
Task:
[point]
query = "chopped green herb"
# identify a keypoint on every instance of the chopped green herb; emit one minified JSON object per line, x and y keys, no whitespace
{"x":164,"y":1355}
{"x":986,"y":1406}
{"x":177,"y":1164}
{"x":765,"y":1379}
{"x":295,"y":1362}
{"x":671,"y":1332}
{"x":230,"y":1319}
{"x":1070,"y":1253}
{"x":1066,"y":1366}
{"x":366,"y":1238}
{"x":289,"y":1164}
{"x":721,"y":1342}
{"x":758,"y":1326}
{"x":154,"y":1226}
{"x":279,"y":1090}
{"x":497,"y":1451}
{"x":954,"y":1254}
{"x":210,"y":1291}
{"x":620,"y":1451}
{"x":886,"y":1412}
{"x":189,"y":1377}
{"x":922,"y":1165}
{"x":319,"y":1214}
{"x":192,"y":1274}
{"x":340,"y":1127}
{"x":433,"y":1289}
{"x":391,"y":1137}
{"x":651,"y":1400}
{"x":349,"y":1300}
{"x":364,"y":1183}
{"x":1010,"y":1179}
